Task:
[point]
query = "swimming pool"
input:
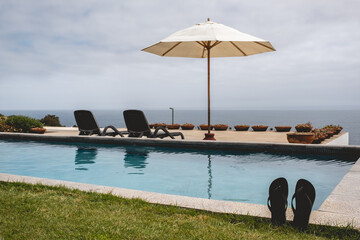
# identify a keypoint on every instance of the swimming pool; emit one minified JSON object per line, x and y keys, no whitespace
{"x":221,"y":175}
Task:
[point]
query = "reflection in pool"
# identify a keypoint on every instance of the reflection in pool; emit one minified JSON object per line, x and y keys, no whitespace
{"x":85,"y":156}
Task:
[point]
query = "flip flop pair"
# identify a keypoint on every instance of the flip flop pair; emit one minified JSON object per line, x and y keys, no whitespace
{"x":304,"y":197}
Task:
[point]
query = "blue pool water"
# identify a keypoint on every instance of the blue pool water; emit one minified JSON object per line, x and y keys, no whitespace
{"x":221,"y":175}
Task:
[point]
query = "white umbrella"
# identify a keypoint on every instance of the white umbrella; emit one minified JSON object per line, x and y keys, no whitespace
{"x":207,"y":40}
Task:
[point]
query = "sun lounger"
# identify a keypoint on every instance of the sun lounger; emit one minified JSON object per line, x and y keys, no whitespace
{"x":138,"y":126}
{"x":88,"y":126}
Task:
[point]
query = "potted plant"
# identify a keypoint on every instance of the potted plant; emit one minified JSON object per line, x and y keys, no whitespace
{"x":205,"y":126}
{"x":156,"y":125}
{"x":283,"y":128}
{"x":324,"y":133}
{"x":319,"y":136}
{"x":259,"y":128}
{"x":220,"y":127}
{"x":37,"y":130}
{"x":305,"y":127}
{"x":173,"y":126}
{"x":334,"y":129}
{"x":338,"y":129}
{"x":330,"y":130}
{"x":187,"y":126}
{"x":242,"y":127}
{"x":301,"y":137}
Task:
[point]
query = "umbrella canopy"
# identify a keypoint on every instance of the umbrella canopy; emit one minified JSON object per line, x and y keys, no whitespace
{"x":207,"y":40}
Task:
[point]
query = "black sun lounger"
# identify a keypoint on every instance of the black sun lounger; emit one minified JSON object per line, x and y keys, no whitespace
{"x":138,"y":126}
{"x":88,"y":126}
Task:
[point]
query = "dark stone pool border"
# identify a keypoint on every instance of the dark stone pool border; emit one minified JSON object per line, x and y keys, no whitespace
{"x":349,"y":150}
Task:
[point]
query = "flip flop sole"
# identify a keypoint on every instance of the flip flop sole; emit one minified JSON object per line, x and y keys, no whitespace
{"x":277,"y":201}
{"x":304,"y":197}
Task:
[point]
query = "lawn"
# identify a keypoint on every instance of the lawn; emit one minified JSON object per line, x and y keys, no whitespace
{"x":42,"y":212}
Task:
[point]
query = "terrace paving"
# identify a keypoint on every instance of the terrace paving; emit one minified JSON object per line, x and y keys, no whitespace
{"x":228,"y":136}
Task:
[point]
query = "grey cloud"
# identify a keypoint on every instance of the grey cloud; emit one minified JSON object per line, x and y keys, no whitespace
{"x":87,"y":54}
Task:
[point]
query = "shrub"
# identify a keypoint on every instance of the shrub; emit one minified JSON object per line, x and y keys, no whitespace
{"x":51,"y":120}
{"x":6,"y":128}
{"x":22,"y":123}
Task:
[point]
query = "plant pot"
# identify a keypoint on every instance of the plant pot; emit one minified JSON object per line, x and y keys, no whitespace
{"x":259,"y":128}
{"x":304,"y":138}
{"x":303,"y":129}
{"x":205,"y":127}
{"x":173,"y":126}
{"x":329,"y":134}
{"x":322,"y":138}
{"x":37,"y":130}
{"x":187,"y":127}
{"x":317,"y":141}
{"x":283,"y":128}
{"x":155,"y":125}
{"x":220,"y":127}
{"x":338,"y":130}
{"x":325,"y":135}
{"x":241,"y":127}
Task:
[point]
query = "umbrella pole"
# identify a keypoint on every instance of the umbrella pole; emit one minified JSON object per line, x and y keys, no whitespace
{"x":208,"y":68}
{"x":209,"y":136}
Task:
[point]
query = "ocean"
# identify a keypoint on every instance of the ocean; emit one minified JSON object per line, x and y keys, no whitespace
{"x":348,"y":119}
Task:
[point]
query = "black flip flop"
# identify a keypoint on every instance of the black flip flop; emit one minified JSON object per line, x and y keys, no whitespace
{"x":304,"y":197}
{"x":277,"y":201}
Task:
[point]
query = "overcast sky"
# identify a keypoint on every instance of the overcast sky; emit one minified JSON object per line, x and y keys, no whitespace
{"x":63,"y":54}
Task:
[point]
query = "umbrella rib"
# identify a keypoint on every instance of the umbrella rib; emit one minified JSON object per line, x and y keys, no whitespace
{"x":201,"y":43}
{"x":215,"y":44}
{"x":271,"y":48}
{"x":204,"y":47}
{"x":177,"y":44}
{"x":203,"y":53}
{"x":238,"y":48}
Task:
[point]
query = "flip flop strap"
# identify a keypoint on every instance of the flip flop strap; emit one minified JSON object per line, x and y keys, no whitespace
{"x":293,"y":197}
{"x":284,"y":198}
{"x":268,"y":204}
{"x":292,"y":203}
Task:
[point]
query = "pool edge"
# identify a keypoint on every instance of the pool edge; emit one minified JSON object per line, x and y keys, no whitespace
{"x":338,"y":209}
{"x":199,"y":144}
{"x":329,"y":212}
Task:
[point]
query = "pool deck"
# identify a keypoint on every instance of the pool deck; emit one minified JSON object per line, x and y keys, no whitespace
{"x":341,"y":208}
{"x":227,"y":136}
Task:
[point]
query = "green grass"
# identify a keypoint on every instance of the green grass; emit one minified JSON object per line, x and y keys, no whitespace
{"x":41,"y":212}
